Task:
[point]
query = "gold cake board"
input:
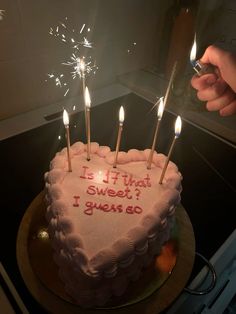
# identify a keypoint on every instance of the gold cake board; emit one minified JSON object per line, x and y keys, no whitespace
{"x":157,"y":288}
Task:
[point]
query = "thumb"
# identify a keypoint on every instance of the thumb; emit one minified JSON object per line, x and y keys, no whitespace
{"x":213,"y":55}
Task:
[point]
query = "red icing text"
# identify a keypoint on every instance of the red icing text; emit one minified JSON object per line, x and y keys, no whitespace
{"x":107,"y":185}
{"x":93,"y":190}
{"x":90,"y":206}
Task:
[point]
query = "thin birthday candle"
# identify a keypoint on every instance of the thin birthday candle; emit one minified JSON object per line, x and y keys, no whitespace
{"x":66,"y":123}
{"x":87,"y":112}
{"x":121,"y":121}
{"x":178,"y":125}
{"x":172,"y":76}
{"x":159,"y":116}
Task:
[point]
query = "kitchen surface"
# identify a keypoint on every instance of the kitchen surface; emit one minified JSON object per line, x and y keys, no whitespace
{"x":129,"y":49}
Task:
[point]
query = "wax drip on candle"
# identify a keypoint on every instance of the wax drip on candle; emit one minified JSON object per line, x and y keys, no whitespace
{"x":178,"y":126}
{"x":121,"y":121}
{"x":87,"y":111}
{"x":66,"y":124}
{"x":160,"y":110}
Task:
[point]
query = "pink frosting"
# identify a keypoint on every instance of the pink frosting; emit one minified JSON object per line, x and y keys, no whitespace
{"x":95,"y":198}
{"x":103,"y":151}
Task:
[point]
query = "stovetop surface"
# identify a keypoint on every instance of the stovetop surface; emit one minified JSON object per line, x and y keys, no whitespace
{"x":207,"y":165}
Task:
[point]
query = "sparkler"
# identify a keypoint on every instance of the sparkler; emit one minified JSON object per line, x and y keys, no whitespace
{"x":87,"y":119}
{"x":80,"y":63}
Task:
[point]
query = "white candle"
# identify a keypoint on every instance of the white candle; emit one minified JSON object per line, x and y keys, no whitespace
{"x":66,"y":124}
{"x":87,"y":112}
{"x":178,"y":126}
{"x":160,"y":110}
{"x":121,"y":121}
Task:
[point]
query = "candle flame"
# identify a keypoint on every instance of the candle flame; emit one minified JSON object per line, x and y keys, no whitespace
{"x":193,"y":52}
{"x":178,"y":126}
{"x":65,"y":118}
{"x":87,"y":98}
{"x":121,"y":114}
{"x":160,"y":108}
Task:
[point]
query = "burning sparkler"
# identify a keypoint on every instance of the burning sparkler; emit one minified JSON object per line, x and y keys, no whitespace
{"x":80,"y":63}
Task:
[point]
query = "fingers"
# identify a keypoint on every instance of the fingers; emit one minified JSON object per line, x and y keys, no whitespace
{"x":216,"y":92}
{"x":225,"y":61}
{"x":229,"y":109}
{"x":213,"y":91}
{"x":213,"y":55}
{"x":202,"y":82}
{"x":224,"y":100}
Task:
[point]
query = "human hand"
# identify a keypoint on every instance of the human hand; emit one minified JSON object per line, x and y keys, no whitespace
{"x":218,"y":89}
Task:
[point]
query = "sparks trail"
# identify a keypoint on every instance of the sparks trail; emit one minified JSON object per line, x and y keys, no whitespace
{"x":80,"y":63}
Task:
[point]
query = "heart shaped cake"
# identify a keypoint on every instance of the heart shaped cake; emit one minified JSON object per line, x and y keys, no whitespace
{"x":106,"y":224}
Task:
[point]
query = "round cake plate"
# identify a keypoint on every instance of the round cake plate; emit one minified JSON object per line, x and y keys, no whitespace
{"x":40,"y":256}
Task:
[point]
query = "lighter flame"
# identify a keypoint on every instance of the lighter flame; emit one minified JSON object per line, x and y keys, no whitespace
{"x":193,"y":52}
{"x":178,"y":126}
{"x":160,"y":108}
{"x":65,"y":118}
{"x":87,"y":98}
{"x":121,"y":114}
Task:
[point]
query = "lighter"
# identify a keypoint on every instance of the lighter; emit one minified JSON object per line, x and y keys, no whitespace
{"x":203,"y":68}
{"x":199,"y":67}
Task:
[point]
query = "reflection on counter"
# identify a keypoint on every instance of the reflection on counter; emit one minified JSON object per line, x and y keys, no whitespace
{"x":183,"y":101}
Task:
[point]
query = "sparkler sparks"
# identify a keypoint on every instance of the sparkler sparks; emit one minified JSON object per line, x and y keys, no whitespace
{"x":80,"y":63}
{"x":132,"y":47}
{"x":2,"y":12}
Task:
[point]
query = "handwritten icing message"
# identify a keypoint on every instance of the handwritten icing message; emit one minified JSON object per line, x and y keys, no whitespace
{"x":115,"y":184}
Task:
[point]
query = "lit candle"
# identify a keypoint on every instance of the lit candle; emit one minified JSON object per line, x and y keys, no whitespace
{"x":87,"y":112}
{"x":178,"y":125}
{"x":121,"y":121}
{"x":172,"y":76}
{"x":81,"y":70}
{"x":66,"y":123}
{"x":199,"y":67}
{"x":159,"y":116}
